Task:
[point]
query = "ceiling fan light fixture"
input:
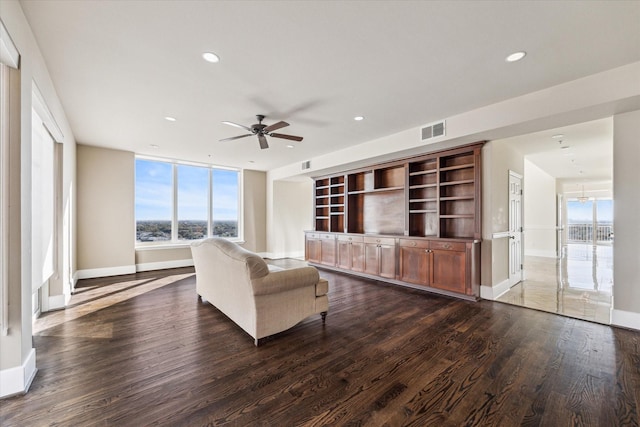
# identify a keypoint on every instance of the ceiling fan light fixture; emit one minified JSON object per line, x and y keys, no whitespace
{"x":210,"y":57}
{"x":516,"y":56}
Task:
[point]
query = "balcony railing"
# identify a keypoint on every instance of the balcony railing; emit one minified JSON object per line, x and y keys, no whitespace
{"x":585,"y":233}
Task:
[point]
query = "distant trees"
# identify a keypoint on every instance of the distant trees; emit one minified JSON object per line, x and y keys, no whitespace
{"x":156,"y":230}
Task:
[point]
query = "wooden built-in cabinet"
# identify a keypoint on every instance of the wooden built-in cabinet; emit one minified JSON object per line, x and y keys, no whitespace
{"x":380,"y":256}
{"x":350,"y":252}
{"x":412,"y":221}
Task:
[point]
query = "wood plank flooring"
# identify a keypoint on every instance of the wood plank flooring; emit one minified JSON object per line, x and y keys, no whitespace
{"x":142,"y":350}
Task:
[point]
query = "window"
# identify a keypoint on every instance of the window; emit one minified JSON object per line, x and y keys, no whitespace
{"x":178,"y":202}
{"x":225,"y":203}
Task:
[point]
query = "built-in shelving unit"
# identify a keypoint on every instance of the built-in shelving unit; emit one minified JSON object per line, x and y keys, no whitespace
{"x":420,"y":213}
{"x":330,"y":206}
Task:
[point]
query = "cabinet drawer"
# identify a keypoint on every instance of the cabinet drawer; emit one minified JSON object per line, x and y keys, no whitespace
{"x":387,"y":241}
{"x":326,"y":236}
{"x":414,"y":243}
{"x":313,"y":235}
{"x":448,"y":246}
{"x":347,"y":238}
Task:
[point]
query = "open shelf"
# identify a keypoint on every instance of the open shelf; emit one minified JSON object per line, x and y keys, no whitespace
{"x":433,"y":195}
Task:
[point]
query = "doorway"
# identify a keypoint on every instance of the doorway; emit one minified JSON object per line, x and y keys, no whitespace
{"x":567,"y":205}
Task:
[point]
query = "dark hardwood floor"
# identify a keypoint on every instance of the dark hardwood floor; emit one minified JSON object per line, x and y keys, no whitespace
{"x":143,"y":350}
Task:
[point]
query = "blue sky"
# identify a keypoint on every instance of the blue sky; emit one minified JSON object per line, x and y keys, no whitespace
{"x":154,"y":192}
{"x":583,"y":212}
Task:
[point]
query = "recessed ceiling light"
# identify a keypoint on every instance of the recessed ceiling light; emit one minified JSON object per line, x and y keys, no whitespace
{"x":565,"y":147}
{"x":155,"y":146}
{"x":170,"y":119}
{"x":358,"y":118}
{"x":251,"y":161}
{"x":289,"y":146}
{"x":516,"y":56}
{"x":558,"y":136}
{"x":210,"y":57}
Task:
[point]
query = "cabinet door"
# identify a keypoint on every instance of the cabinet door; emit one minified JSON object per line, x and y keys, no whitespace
{"x":449,"y":270}
{"x":357,"y":256}
{"x":344,"y":254}
{"x":415,"y":265}
{"x":328,"y":253}
{"x":371,"y":258}
{"x":387,"y":261}
{"x":314,"y":249}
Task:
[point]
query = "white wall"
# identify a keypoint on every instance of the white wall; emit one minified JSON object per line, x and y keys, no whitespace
{"x":17,"y":355}
{"x":626,"y":245}
{"x":539,"y":212}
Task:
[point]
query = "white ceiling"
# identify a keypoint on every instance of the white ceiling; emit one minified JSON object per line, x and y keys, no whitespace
{"x":583,"y":153}
{"x":120,"y":67}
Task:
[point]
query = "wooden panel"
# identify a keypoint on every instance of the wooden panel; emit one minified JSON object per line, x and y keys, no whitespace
{"x":344,"y":254}
{"x":449,"y":270}
{"x":314,"y":249}
{"x":414,"y":265}
{"x":357,"y":256}
{"x":328,"y":249}
{"x":387,"y":261}
{"x":371,"y":258}
{"x":384,"y":213}
{"x":389,"y":177}
{"x":415,"y":243}
{"x":448,"y":246}
{"x":355,"y":218}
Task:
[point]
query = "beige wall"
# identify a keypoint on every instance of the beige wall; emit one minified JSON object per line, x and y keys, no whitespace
{"x":16,"y":350}
{"x":106,"y":216}
{"x":539,"y":212}
{"x":106,"y":222}
{"x":626,"y":245}
{"x":290,"y":215}
{"x":497,"y":160}
{"x":255,"y":210}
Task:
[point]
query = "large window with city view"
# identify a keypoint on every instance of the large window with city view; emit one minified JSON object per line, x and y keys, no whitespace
{"x":180,"y":202}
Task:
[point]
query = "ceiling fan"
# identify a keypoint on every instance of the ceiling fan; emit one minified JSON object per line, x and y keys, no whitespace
{"x":262,"y":131}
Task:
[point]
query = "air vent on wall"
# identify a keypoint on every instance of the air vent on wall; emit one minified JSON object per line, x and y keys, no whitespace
{"x":306,"y":165}
{"x":433,"y":130}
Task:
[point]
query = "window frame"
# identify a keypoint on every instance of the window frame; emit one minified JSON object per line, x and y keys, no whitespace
{"x":175,"y":241}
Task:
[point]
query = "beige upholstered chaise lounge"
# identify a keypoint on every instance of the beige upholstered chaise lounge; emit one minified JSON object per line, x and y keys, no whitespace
{"x":262,"y":302}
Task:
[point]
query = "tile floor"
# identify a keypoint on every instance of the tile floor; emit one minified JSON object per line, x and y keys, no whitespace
{"x":579,"y":284}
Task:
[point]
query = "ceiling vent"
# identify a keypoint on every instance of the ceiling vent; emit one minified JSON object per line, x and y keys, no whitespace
{"x":306,"y":165}
{"x":434,"y":130}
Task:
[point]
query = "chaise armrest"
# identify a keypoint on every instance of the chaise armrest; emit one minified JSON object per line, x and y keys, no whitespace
{"x":280,"y":281}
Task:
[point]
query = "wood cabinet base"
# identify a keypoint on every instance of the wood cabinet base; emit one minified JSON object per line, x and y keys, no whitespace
{"x":444,"y":266}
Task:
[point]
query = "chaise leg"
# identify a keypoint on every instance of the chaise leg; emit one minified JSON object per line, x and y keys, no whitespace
{"x":324,"y":317}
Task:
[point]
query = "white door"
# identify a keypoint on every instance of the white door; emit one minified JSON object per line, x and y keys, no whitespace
{"x":515,"y":228}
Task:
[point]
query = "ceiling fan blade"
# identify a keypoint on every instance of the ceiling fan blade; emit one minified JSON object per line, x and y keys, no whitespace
{"x":263,"y":142}
{"x":275,"y":126}
{"x":283,"y":136}
{"x":235,"y":137}
{"x":239,"y":126}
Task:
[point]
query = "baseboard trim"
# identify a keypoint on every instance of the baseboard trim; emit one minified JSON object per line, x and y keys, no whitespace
{"x":540,"y":253}
{"x":494,"y":292}
{"x":625,"y":319}
{"x":163,"y":265}
{"x":105,"y":272}
{"x":18,"y":380}
{"x":57,"y":302}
